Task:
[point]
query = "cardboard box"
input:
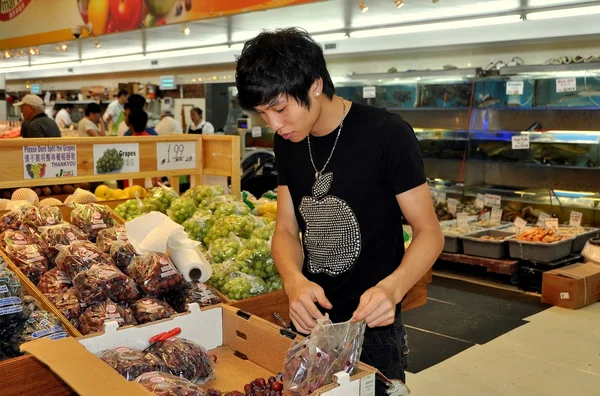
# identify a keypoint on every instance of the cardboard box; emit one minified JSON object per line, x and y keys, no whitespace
{"x":246,"y":347}
{"x":573,"y":286}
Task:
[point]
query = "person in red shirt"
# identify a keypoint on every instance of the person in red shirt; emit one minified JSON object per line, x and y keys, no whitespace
{"x":137,"y":124}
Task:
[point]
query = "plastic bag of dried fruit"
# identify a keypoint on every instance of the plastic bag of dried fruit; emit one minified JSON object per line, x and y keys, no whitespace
{"x":108,"y":236}
{"x":311,"y":362}
{"x":68,"y":303}
{"x":156,"y":274}
{"x":30,"y":259}
{"x":164,"y":384}
{"x":80,"y":256}
{"x":54,"y":281}
{"x":96,"y":315}
{"x":91,"y":218}
{"x":105,"y":281}
{"x":61,"y":234}
{"x":11,"y":220}
{"x":196,"y":292}
{"x":148,"y":310}
{"x":122,"y":252}
{"x":131,"y":363}
{"x":186,"y":359}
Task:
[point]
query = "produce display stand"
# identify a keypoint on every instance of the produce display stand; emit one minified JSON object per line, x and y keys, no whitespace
{"x":208,"y":155}
{"x":499,"y":266}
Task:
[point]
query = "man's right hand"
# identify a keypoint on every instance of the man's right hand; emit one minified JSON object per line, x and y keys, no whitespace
{"x":303,"y":295}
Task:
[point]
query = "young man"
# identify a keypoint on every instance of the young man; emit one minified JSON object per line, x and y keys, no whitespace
{"x":37,"y":124}
{"x":63,"y":117}
{"x":348,"y":175}
{"x":137,"y":124}
{"x":90,"y":124}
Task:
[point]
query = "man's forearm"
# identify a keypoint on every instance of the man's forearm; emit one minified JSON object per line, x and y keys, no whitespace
{"x":288,"y":256}
{"x":420,"y":256}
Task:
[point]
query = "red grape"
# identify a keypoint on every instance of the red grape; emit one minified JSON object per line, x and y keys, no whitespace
{"x":277,"y":386}
{"x":272,"y":379}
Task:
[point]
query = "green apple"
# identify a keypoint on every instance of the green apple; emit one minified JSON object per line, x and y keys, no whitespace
{"x":159,"y":8}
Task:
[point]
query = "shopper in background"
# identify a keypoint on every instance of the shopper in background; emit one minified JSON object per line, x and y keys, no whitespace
{"x":36,"y":123}
{"x":91,"y":124}
{"x":200,"y":126}
{"x":63,"y":117}
{"x":168,"y":125}
{"x":114,"y":112}
{"x":348,"y":174}
{"x":137,"y":124}
{"x":124,"y":126}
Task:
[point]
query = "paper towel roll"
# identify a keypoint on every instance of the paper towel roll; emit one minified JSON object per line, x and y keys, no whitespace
{"x":191,"y":263}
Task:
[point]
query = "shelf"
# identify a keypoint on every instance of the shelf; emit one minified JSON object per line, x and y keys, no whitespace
{"x":419,"y":74}
{"x":549,"y":70}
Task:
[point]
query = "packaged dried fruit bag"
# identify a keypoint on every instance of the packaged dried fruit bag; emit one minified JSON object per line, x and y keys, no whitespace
{"x":30,"y":260}
{"x":54,"y":281}
{"x":105,"y":281}
{"x":122,"y":253}
{"x":196,"y":292}
{"x":186,"y":359}
{"x":164,"y":384}
{"x":131,"y":363}
{"x":80,"y":256}
{"x":61,"y":234}
{"x":96,"y":315}
{"x":107,"y":237}
{"x":68,"y":303}
{"x":156,"y":274}
{"x":148,"y":310}
{"x":91,"y":218}
{"x":311,"y":362}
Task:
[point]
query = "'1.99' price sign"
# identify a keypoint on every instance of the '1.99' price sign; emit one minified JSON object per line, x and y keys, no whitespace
{"x":175,"y":155}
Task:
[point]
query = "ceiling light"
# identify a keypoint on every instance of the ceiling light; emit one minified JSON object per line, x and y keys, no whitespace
{"x":330,"y":37}
{"x":31,"y":51}
{"x":6,"y":54}
{"x":431,"y":27}
{"x":399,"y":3}
{"x":37,"y":51}
{"x":97,"y":43}
{"x":57,"y":48}
{"x":362,"y":6}
{"x":22,"y":53}
{"x":563,"y":13}
{"x":185,"y":30}
{"x":64,"y":47}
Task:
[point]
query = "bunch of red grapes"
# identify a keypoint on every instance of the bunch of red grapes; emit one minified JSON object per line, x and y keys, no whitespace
{"x":258,"y":387}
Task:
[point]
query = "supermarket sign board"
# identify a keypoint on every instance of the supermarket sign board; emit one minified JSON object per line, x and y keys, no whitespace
{"x":49,"y":162}
{"x":10,"y":9}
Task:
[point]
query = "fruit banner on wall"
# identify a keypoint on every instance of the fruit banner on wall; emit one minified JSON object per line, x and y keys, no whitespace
{"x":25,"y":23}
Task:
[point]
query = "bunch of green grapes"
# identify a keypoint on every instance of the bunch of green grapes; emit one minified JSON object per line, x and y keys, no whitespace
{"x":182,"y":209}
{"x":255,"y":258}
{"x":213,"y":203}
{"x":245,"y":286}
{"x":241,"y":226}
{"x":274,"y":283}
{"x":109,"y":161}
{"x":198,"y":225}
{"x":224,"y":249}
{"x":129,"y":209}
{"x":203,"y":191}
{"x":232,"y":207}
{"x":222,"y":273}
{"x":265,"y":232}
{"x":159,"y":199}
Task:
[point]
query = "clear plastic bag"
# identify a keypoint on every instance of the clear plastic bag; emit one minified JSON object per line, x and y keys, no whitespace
{"x":130,"y":209}
{"x":80,"y":256}
{"x":50,"y":215}
{"x":12,"y":311}
{"x":159,"y":199}
{"x":242,"y":286}
{"x":96,"y":315}
{"x":204,"y":191}
{"x":122,"y":253}
{"x":11,"y":220}
{"x":156,"y":274}
{"x":107,"y":237}
{"x":196,"y":292}
{"x":25,"y":235}
{"x":198,"y":225}
{"x":30,"y":259}
{"x":186,"y":359}
{"x":91,"y":218}
{"x":311,"y":362}
{"x":255,"y":259}
{"x":68,"y":303}
{"x":163,"y":384}
{"x":222,"y":273}
{"x":265,"y":232}
{"x":61,"y":234}
{"x":105,"y":281}
{"x":231,"y":207}
{"x":131,"y":363}
{"x":40,"y":324}
{"x":53,"y":282}
{"x":224,"y":249}
{"x":148,"y":310}
{"x":242,"y":226}
{"x":182,"y":209}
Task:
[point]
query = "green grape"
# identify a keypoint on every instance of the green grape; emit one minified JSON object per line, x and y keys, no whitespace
{"x":232,"y":207}
{"x":159,"y":199}
{"x":213,"y":203}
{"x":256,"y":257}
{"x":244,"y":286}
{"x":204,"y":191}
{"x":224,"y":249}
{"x":274,"y":283}
{"x":265,"y":232}
{"x":241,"y":226}
{"x":182,"y":209}
{"x":222,"y":273}
{"x":198,"y":225}
{"x":129,"y":209}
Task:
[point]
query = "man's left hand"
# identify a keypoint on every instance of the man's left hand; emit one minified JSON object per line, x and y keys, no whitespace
{"x":376,"y":307}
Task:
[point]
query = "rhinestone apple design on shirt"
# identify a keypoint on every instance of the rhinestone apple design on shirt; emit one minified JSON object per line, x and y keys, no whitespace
{"x":332,"y":238}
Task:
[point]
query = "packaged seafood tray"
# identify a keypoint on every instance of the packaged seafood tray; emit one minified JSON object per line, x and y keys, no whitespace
{"x":580,"y":234}
{"x":539,"y":251}
{"x":489,"y":243}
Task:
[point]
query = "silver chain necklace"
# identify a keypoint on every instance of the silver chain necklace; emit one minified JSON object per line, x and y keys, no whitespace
{"x":317,"y":172}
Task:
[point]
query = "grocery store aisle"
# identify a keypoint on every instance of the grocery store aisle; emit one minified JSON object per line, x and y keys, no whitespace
{"x":552,"y":352}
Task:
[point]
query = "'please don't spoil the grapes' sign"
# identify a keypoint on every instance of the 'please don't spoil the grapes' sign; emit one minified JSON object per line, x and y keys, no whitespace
{"x":47,"y":162}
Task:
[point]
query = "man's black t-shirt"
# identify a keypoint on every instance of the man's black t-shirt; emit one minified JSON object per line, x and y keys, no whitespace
{"x":350,"y":219}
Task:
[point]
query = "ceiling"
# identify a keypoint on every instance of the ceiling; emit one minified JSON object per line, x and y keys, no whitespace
{"x":326,"y":16}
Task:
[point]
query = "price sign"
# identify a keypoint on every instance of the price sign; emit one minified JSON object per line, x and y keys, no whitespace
{"x":256,"y":132}
{"x":493,"y":201}
{"x":520,"y":142}
{"x":480,"y":201}
{"x":463,"y":220}
{"x":566,"y":85}
{"x":496,"y":215}
{"x":369,"y":92}
{"x":542,"y":219}
{"x":175,"y":155}
{"x":441,"y":198}
{"x":514,"y":87}
{"x":575,"y":219}
{"x":452,"y":205}
{"x":520,"y":224}
{"x":551,"y":224}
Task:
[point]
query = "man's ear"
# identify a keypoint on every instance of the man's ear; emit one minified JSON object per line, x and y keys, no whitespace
{"x":317,"y":87}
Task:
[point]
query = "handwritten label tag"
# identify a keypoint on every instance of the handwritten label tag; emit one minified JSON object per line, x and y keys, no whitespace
{"x":441,"y":198}
{"x":575,"y":219}
{"x":542,"y":219}
{"x":566,"y":85}
{"x":520,"y":142}
{"x":552,"y":224}
{"x":369,"y":92}
{"x":496,"y":215}
{"x":452,"y":205}
{"x":480,"y":201}
{"x":514,"y":87}
{"x":175,"y":155}
{"x":493,"y":201}
{"x":463,"y":220}
{"x":520,"y":224}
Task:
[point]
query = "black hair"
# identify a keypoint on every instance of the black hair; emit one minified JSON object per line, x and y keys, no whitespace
{"x":92,"y":108}
{"x":69,"y":106}
{"x":137,"y":120}
{"x":136,"y":101}
{"x":286,"y":61}
{"x":122,"y":92}
{"x":198,"y":111}
{"x":126,"y":106}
